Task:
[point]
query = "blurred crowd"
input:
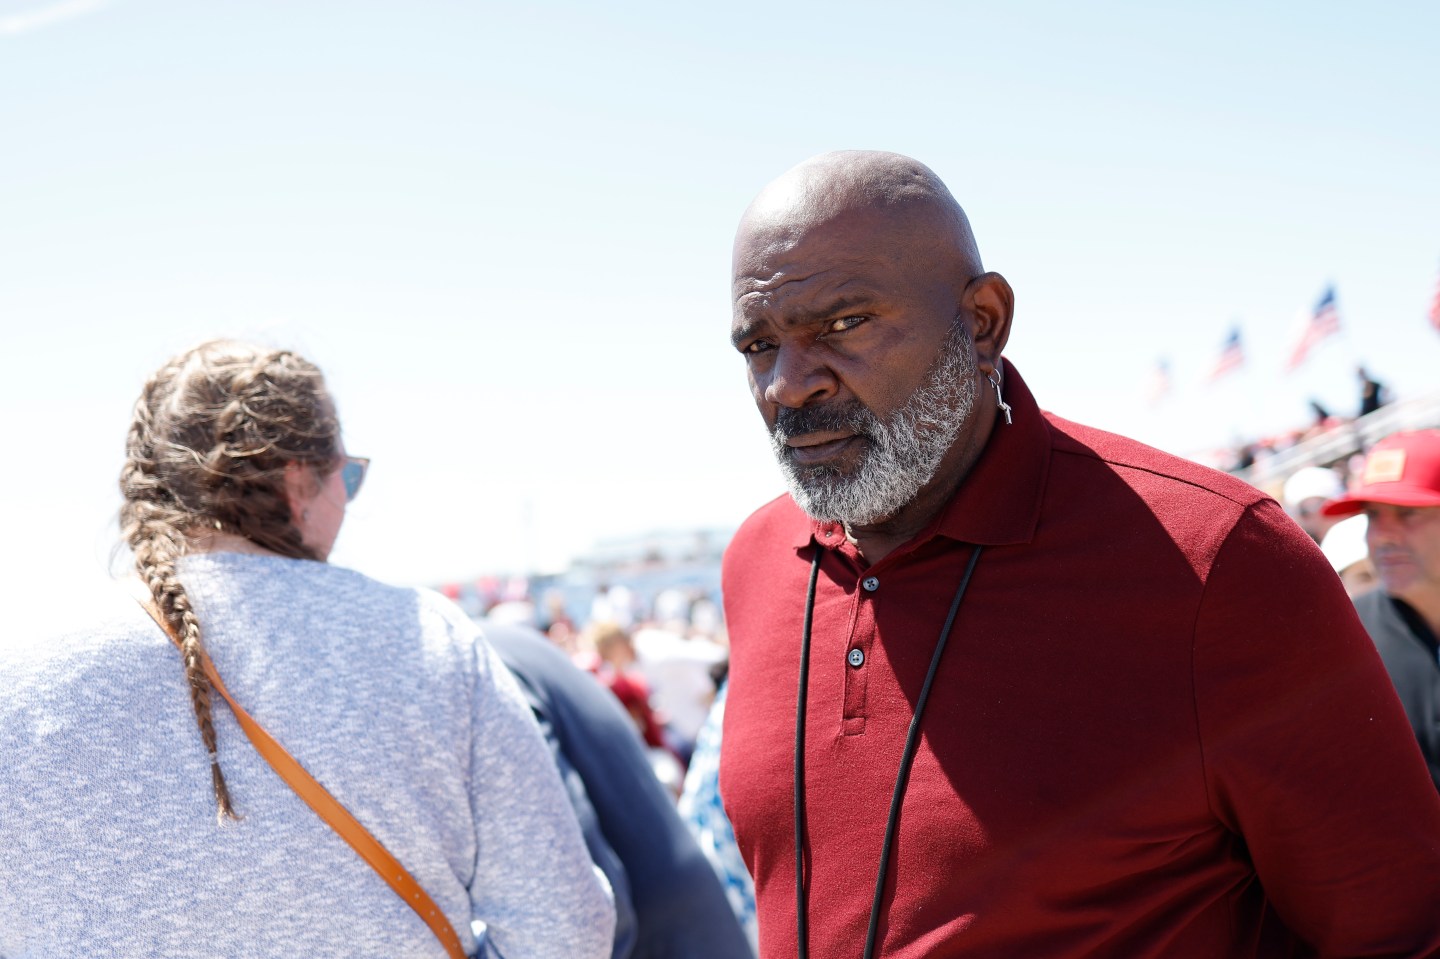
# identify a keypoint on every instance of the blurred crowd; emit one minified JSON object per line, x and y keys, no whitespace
{"x":663,"y":655}
{"x":1255,"y":451}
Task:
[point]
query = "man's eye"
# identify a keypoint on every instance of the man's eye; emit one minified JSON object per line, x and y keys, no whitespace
{"x":844,"y":323}
{"x":759,"y":346}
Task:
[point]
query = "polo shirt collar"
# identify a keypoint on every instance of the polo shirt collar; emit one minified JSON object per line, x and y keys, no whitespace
{"x":998,"y":503}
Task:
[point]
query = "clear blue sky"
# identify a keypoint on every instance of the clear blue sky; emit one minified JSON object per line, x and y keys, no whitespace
{"x":504,"y":232}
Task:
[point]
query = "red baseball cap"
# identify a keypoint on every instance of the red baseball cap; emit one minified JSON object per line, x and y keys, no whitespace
{"x":1403,"y":469}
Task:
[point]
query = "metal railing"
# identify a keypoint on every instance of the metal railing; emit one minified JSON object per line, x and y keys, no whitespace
{"x":1340,"y":442}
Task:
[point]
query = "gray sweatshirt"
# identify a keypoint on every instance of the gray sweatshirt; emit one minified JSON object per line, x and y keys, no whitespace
{"x":387,"y":696}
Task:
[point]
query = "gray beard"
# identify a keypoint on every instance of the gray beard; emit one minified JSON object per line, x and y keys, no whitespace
{"x":903,"y":450}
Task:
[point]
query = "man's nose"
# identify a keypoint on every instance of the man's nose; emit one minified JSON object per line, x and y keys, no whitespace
{"x":1381,"y":530}
{"x":797,"y":379}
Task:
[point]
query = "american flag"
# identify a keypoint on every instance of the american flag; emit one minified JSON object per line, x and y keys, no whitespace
{"x":1323,"y":321}
{"x":1231,"y":358}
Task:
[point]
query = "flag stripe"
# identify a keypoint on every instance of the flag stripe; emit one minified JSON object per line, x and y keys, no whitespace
{"x":1324,"y":321}
{"x":1231,"y":358}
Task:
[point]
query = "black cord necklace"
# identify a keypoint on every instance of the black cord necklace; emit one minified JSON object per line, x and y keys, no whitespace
{"x":907,"y":758}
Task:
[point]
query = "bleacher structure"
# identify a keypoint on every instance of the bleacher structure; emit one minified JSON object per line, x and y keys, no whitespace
{"x":1337,"y":444}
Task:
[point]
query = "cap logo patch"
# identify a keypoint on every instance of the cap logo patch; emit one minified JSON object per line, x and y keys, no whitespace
{"x":1384,"y":466}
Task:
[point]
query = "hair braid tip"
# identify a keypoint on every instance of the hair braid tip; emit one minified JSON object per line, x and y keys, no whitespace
{"x":224,"y":806}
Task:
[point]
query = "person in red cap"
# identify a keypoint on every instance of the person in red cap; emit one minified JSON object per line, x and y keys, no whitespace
{"x":1399,"y":493}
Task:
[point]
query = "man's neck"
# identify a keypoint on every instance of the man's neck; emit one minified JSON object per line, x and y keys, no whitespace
{"x":878,"y":540}
{"x":1426,"y":605}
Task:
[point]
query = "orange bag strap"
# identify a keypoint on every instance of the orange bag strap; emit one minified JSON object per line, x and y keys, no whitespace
{"x":328,"y":808}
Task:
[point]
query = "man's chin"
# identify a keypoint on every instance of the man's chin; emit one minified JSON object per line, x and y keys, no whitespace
{"x":812,"y":499}
{"x":1400,"y":580}
{"x":827,"y":504}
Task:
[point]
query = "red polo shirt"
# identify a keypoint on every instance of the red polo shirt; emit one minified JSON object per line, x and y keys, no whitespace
{"x":1158,"y":728}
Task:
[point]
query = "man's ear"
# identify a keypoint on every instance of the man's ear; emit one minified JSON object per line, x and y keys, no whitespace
{"x":990,"y":304}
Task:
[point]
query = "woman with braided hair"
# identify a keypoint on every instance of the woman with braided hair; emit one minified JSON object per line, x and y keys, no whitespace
{"x":119,"y":758}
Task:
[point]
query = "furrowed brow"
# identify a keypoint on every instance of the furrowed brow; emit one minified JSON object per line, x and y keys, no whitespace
{"x":836,"y":307}
{"x":743,"y":332}
{"x":842,"y":304}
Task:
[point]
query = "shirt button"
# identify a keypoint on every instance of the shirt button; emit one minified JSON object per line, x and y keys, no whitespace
{"x":856,"y":658}
{"x":870,"y":583}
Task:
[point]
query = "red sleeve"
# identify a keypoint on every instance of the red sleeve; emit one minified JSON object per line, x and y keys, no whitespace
{"x":1308,"y":754}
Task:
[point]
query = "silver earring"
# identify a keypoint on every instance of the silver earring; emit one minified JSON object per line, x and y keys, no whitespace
{"x":1004,"y":406}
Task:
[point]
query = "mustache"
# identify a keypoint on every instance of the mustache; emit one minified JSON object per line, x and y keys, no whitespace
{"x":842,"y":416}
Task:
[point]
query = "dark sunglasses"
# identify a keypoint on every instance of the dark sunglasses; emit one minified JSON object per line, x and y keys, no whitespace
{"x":352,"y":474}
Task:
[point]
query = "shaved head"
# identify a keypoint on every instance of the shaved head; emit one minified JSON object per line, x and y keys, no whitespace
{"x":868,"y":327}
{"x":896,"y":191}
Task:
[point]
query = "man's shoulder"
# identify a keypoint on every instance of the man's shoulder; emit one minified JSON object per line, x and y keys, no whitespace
{"x":1145,"y":465}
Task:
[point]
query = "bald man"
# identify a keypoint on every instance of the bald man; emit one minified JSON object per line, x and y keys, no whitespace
{"x":1005,"y":685}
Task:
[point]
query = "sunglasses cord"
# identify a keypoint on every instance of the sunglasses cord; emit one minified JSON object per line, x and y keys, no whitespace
{"x":907,"y":759}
